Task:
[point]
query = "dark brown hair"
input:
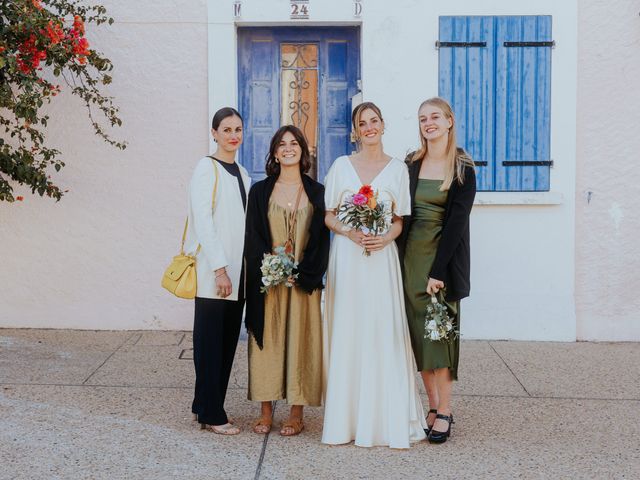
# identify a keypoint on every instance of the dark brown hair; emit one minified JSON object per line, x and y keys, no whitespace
{"x":272,"y":167}
{"x":222,"y":114}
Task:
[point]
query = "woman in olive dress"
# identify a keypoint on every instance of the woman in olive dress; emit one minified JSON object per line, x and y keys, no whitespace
{"x":285,"y":324}
{"x":435,"y":250}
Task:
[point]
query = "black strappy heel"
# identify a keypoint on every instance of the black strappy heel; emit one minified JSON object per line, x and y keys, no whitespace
{"x":428,"y":429}
{"x":441,"y":437}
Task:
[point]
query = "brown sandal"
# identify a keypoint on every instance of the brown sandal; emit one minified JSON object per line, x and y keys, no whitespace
{"x":295,"y":424}
{"x":262,"y":422}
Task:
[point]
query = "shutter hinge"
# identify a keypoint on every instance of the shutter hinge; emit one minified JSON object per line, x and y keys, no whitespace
{"x":551,"y":44}
{"x":440,"y":44}
{"x":528,"y":163}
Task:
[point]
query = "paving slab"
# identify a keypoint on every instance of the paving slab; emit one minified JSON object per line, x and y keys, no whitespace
{"x":575,"y":370}
{"x":55,"y":356}
{"x":187,"y":340}
{"x":169,"y":366}
{"x":134,"y":420}
{"x":482,"y":372}
{"x":145,"y":366}
{"x":160,"y":338}
{"x":113,"y":433}
{"x":240,"y":371}
{"x":499,"y":437}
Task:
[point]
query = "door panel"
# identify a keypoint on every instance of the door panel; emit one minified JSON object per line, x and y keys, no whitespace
{"x":302,"y":76}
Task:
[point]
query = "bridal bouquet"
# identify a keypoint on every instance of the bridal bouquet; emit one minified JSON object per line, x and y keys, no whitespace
{"x":277,"y":269}
{"x":438,"y":325}
{"x":363,"y":211}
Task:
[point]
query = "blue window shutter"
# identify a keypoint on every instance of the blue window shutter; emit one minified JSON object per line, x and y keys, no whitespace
{"x":466,"y":80}
{"x":523,"y":98}
{"x":501,"y":96}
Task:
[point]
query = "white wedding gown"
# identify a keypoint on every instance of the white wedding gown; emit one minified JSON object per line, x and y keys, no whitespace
{"x":371,"y":395}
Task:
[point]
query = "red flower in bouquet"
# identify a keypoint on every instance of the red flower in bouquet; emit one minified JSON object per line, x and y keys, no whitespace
{"x":367,"y":191}
{"x":364,"y":212}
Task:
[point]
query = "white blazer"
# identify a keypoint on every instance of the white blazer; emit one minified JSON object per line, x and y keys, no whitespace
{"x":221,"y":234}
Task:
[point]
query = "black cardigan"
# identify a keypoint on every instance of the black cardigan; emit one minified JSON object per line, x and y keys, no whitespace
{"x":258,"y":241}
{"x":452,"y":263}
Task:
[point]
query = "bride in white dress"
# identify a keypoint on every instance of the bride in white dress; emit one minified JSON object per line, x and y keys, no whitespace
{"x":371,"y":393}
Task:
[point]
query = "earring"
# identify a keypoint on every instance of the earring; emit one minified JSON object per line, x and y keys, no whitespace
{"x":277,"y":160}
{"x":215,"y":140}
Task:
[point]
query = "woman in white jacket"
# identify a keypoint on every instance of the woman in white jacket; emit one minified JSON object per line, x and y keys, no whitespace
{"x":217,"y":225}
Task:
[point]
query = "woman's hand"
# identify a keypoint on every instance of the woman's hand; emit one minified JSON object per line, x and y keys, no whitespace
{"x":374,"y":243}
{"x":434,"y":286}
{"x":223,"y":283}
{"x":356,"y":236}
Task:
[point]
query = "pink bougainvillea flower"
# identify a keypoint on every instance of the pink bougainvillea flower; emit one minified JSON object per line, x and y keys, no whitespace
{"x":81,"y":47}
{"x":78,"y":24}
{"x":54,"y":32}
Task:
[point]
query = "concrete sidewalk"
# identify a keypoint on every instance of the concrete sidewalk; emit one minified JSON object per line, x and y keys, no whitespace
{"x":111,"y":405}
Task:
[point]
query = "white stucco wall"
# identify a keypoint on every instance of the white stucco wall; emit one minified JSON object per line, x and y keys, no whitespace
{"x":95,"y":259}
{"x":522,"y":256}
{"x":607,"y":215}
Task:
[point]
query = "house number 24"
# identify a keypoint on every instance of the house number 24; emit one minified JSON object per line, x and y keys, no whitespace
{"x":299,"y":9}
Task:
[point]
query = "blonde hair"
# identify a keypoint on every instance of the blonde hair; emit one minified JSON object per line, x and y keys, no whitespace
{"x":457,"y":158}
{"x":355,"y":119}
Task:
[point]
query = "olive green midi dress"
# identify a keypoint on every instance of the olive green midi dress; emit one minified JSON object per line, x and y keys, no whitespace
{"x":420,"y":252}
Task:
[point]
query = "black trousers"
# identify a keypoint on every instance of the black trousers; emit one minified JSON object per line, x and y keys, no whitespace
{"x":216,"y":327}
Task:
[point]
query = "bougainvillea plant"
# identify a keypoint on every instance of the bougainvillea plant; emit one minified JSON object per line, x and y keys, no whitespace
{"x":43,"y":50}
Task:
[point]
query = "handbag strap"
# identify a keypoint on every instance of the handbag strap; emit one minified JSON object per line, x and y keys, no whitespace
{"x":213,"y":199}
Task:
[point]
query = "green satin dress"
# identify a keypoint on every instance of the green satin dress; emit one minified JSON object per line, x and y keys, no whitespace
{"x":420,"y":252}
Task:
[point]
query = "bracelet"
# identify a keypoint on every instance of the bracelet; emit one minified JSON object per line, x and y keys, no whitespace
{"x":333,"y":227}
{"x":224,"y":272}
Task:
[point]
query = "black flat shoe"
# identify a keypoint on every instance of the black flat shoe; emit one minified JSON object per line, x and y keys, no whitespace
{"x":428,"y":429}
{"x":441,"y":437}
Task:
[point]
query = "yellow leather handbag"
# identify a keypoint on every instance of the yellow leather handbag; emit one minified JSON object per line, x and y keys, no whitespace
{"x":180,"y":276}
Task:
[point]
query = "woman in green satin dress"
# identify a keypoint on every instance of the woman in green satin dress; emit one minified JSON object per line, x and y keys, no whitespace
{"x":435,"y":252}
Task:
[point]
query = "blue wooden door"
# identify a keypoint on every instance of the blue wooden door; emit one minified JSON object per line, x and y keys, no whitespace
{"x":281,"y":73}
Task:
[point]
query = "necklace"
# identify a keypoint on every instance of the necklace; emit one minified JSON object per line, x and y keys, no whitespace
{"x":290,"y":199}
